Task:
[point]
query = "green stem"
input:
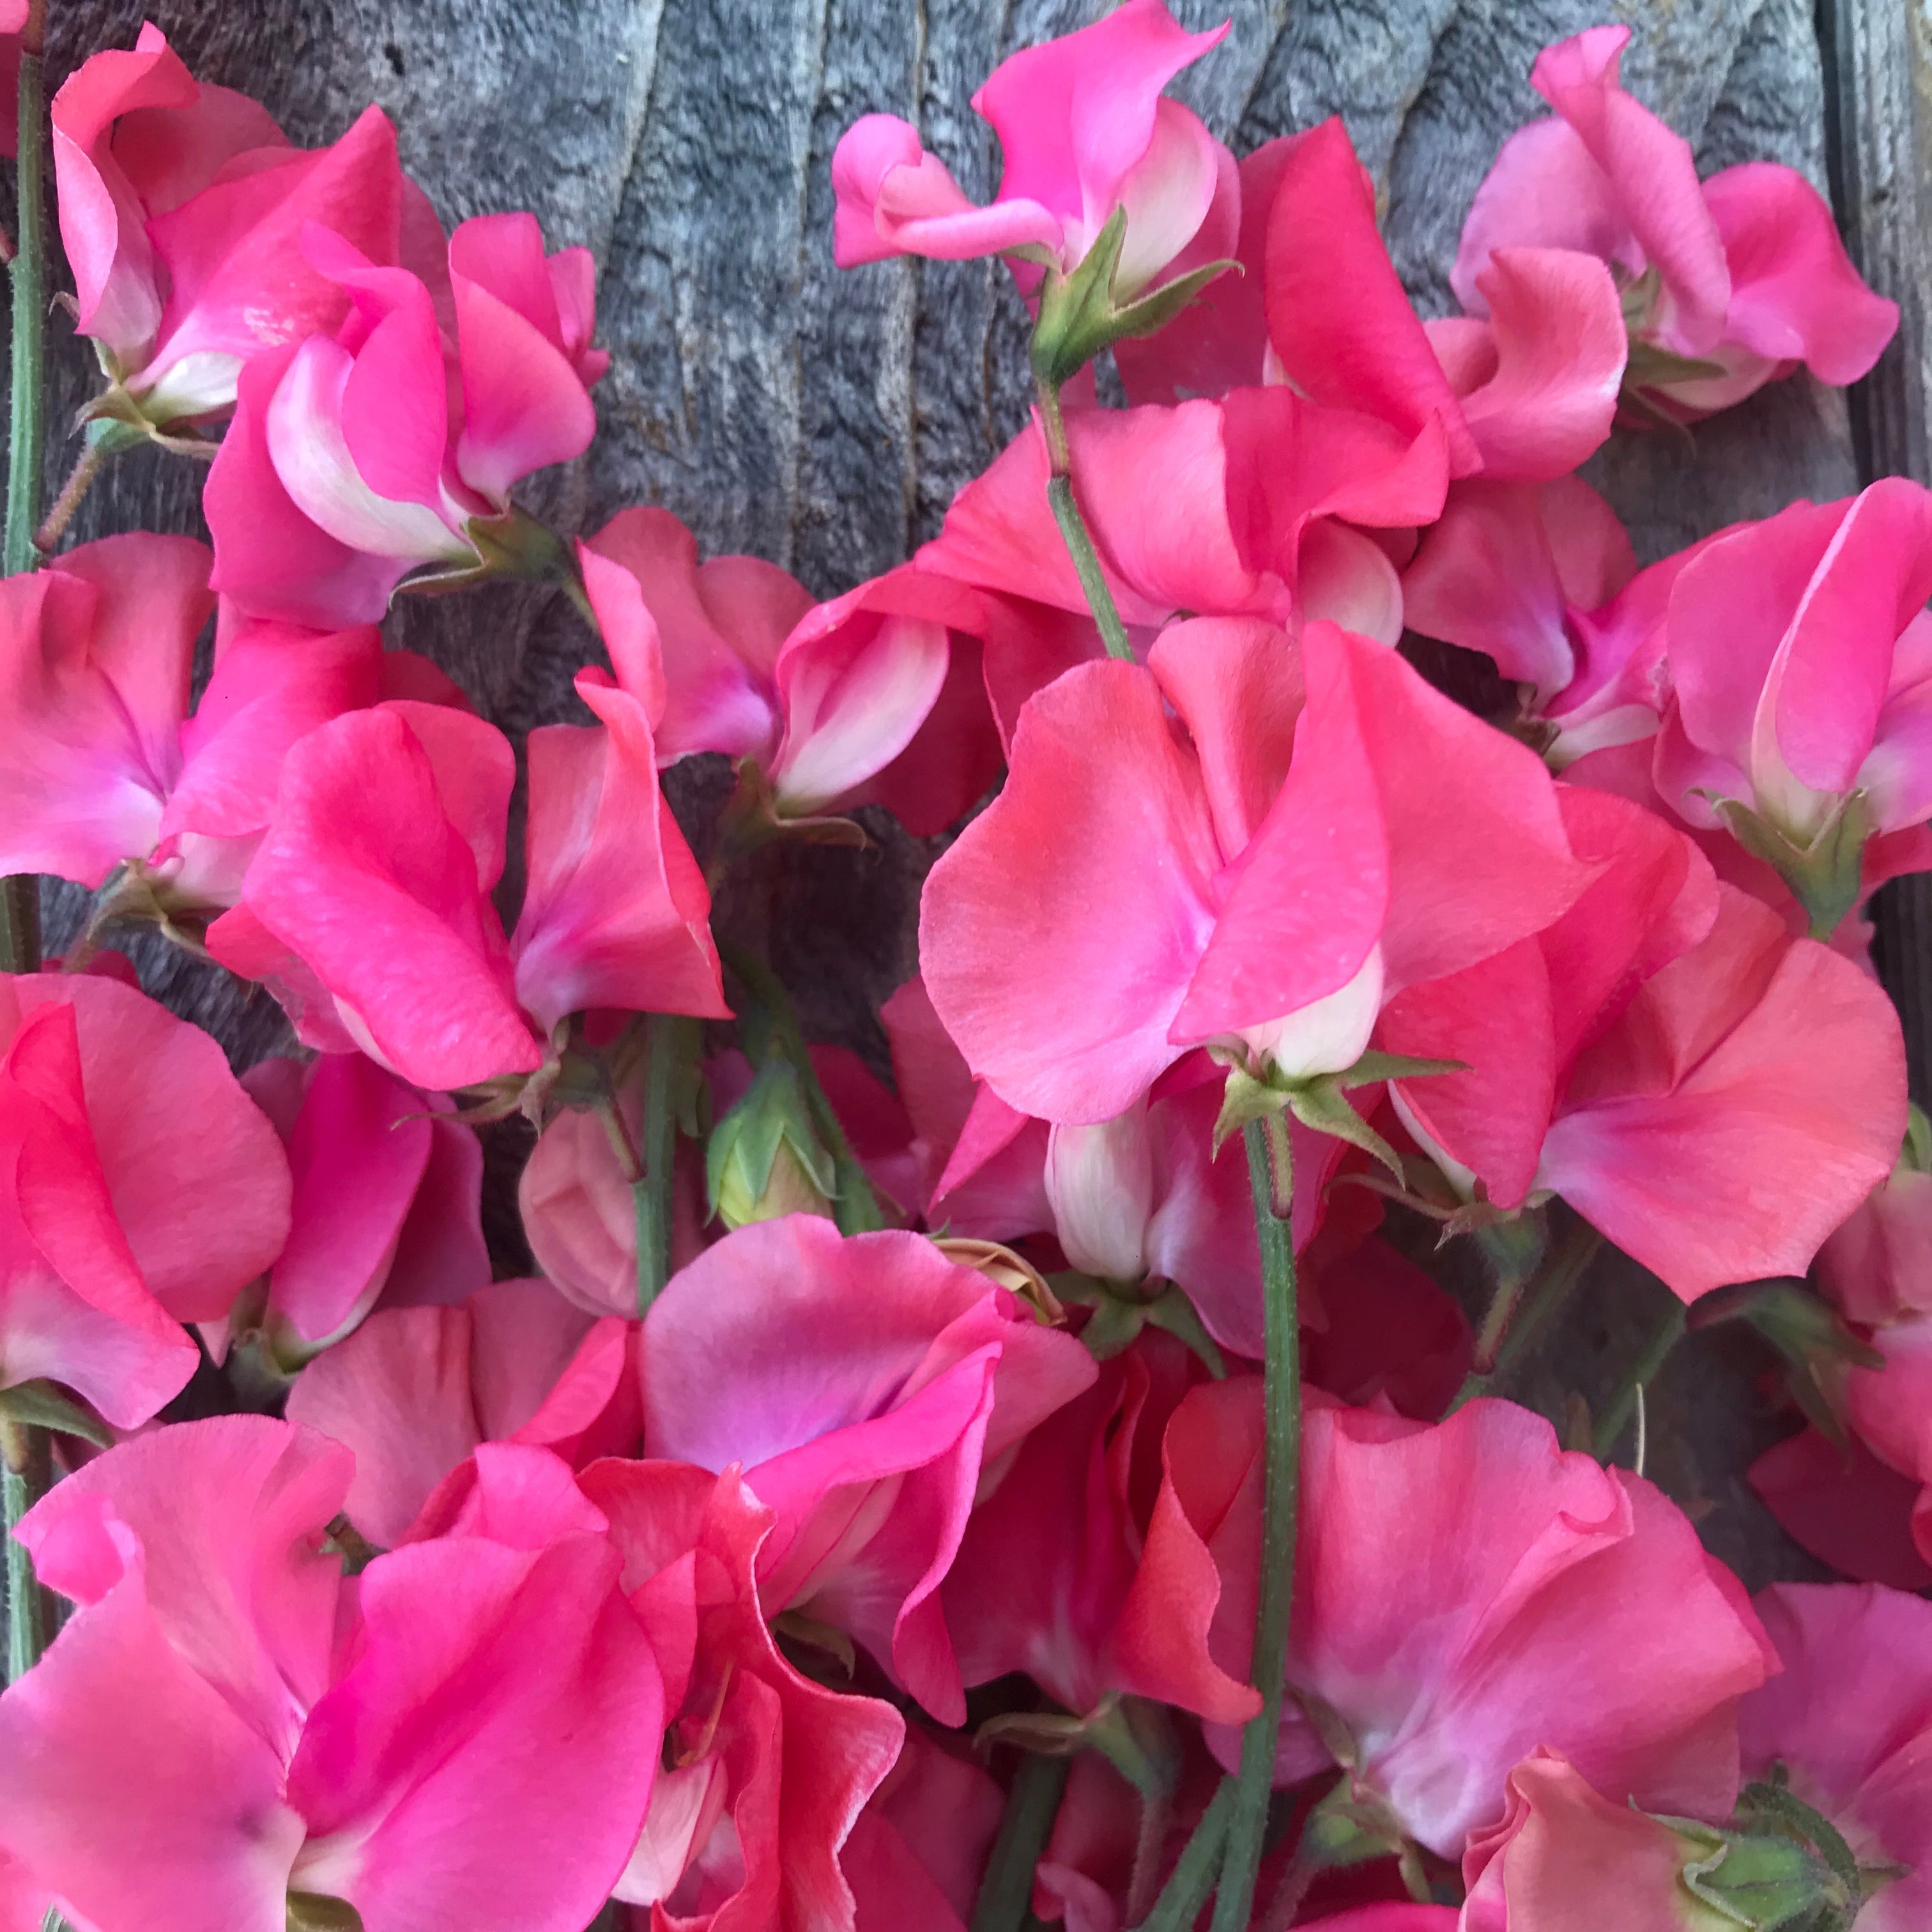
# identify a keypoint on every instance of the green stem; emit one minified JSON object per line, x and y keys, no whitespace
{"x":26,"y":1470}
{"x":1270,"y":1180}
{"x":28,"y":431}
{"x":1495,"y":1330}
{"x":1192,"y":1878}
{"x":1006,"y":1892}
{"x":94,"y":455}
{"x":1547,"y":1292}
{"x":668,"y":1035}
{"x":1073,"y":529}
{"x":1639,"y":1375}
{"x":856,"y":1209}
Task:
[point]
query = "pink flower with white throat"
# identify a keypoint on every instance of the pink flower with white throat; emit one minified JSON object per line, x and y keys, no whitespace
{"x":1084,"y":132}
{"x":359,"y":456}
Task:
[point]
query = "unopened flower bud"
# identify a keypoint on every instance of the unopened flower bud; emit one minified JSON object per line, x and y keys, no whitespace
{"x":765,"y":1158}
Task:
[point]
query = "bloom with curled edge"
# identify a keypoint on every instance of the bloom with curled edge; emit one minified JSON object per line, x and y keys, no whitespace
{"x":367,"y":910}
{"x":1727,"y":284}
{"x":413,"y":1391}
{"x":1660,"y":1056}
{"x":1084,"y":134}
{"x":1564,"y":1858}
{"x":1800,"y":660}
{"x":255,"y":1768}
{"x":387,"y":1206}
{"x":182,"y":206}
{"x":1268,"y":880}
{"x":1271,"y":505}
{"x":871,"y":1460}
{"x":1529,"y":392}
{"x":116,"y":1227}
{"x":1465,"y":1591}
{"x":873,"y":697}
{"x":1845,"y":1725}
{"x":361,"y":455}
{"x":766,"y":1773}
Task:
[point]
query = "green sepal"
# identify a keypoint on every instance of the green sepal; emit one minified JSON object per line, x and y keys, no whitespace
{"x":1826,"y":875}
{"x":824,"y":1639}
{"x":1916,"y":1154}
{"x":1172,"y":1311}
{"x":1117,"y":1320}
{"x":1649,"y":367}
{"x":1079,"y":317}
{"x":1375,"y":1065}
{"x":772,"y":1120}
{"x":40,"y":1405}
{"x":751,"y":818}
{"x":1807,"y":1332}
{"x":1320,"y":1104}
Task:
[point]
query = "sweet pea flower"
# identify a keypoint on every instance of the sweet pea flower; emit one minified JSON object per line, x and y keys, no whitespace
{"x":1271,"y":505}
{"x":387,"y":1205}
{"x":102,"y":763}
{"x":182,"y":208}
{"x":1271,"y":875}
{"x":222,"y":1730}
{"x":116,"y":1225}
{"x":874,"y":698}
{"x":1548,"y":1600}
{"x":366,"y":907}
{"x":1744,"y":272}
{"x":1659,"y":1056}
{"x":767,"y":1772}
{"x":871,"y":1460}
{"x":1850,"y":1719}
{"x":1563,"y":1859}
{"x":414,"y":1391}
{"x":1084,"y":133}
{"x":1529,"y":390}
{"x":1800,"y":660}
{"x":360,"y":453}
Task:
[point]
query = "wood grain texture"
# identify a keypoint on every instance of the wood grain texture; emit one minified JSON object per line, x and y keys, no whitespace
{"x":825,"y":420}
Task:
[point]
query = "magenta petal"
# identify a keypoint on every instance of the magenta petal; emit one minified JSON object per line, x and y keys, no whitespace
{"x":1059,"y":934}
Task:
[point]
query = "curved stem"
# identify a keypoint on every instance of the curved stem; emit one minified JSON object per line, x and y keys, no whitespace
{"x":1270,"y":1180}
{"x":668,"y":1034}
{"x":1073,"y":529}
{"x":1547,"y":1293}
{"x":1189,"y":1884}
{"x":27,"y":430}
{"x":93,"y":459}
{"x":1637,"y":1378}
{"x":26,"y":1470}
{"x":1006,"y":1892}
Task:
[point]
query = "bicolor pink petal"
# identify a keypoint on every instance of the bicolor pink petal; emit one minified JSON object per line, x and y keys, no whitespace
{"x":1064,"y":1006}
{"x":1795,"y":295}
{"x":365,"y":878}
{"x":1844,"y":1506}
{"x":616,"y":912}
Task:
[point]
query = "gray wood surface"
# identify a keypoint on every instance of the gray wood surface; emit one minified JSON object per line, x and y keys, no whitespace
{"x":825,"y":420}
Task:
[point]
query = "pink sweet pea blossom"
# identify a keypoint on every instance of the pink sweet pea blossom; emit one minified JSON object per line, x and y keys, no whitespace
{"x":870,"y":1459}
{"x":873,"y":697}
{"x":182,"y":207}
{"x":1801,"y":658}
{"x":414,"y":1390}
{"x":1850,"y":1718}
{"x":252,"y":1729}
{"x":1546,"y":1600}
{"x":116,"y":1226}
{"x":1564,"y":1858}
{"x":1529,"y":392}
{"x":359,"y":454}
{"x":767,"y":1772}
{"x":918,"y":1850}
{"x":1659,"y":1056}
{"x":1268,"y":881}
{"x":387,"y":1204}
{"x":1745,"y":270}
{"x":1270,"y":505}
{"x":1084,"y":132}
{"x":368,"y":905}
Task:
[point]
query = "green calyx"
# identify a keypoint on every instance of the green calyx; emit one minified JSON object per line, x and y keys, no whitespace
{"x":765,"y":1158}
{"x":1825,"y":874}
{"x":1117,"y":1317}
{"x":1320,"y":1101}
{"x":1807,"y":1332}
{"x":1082,"y":314}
